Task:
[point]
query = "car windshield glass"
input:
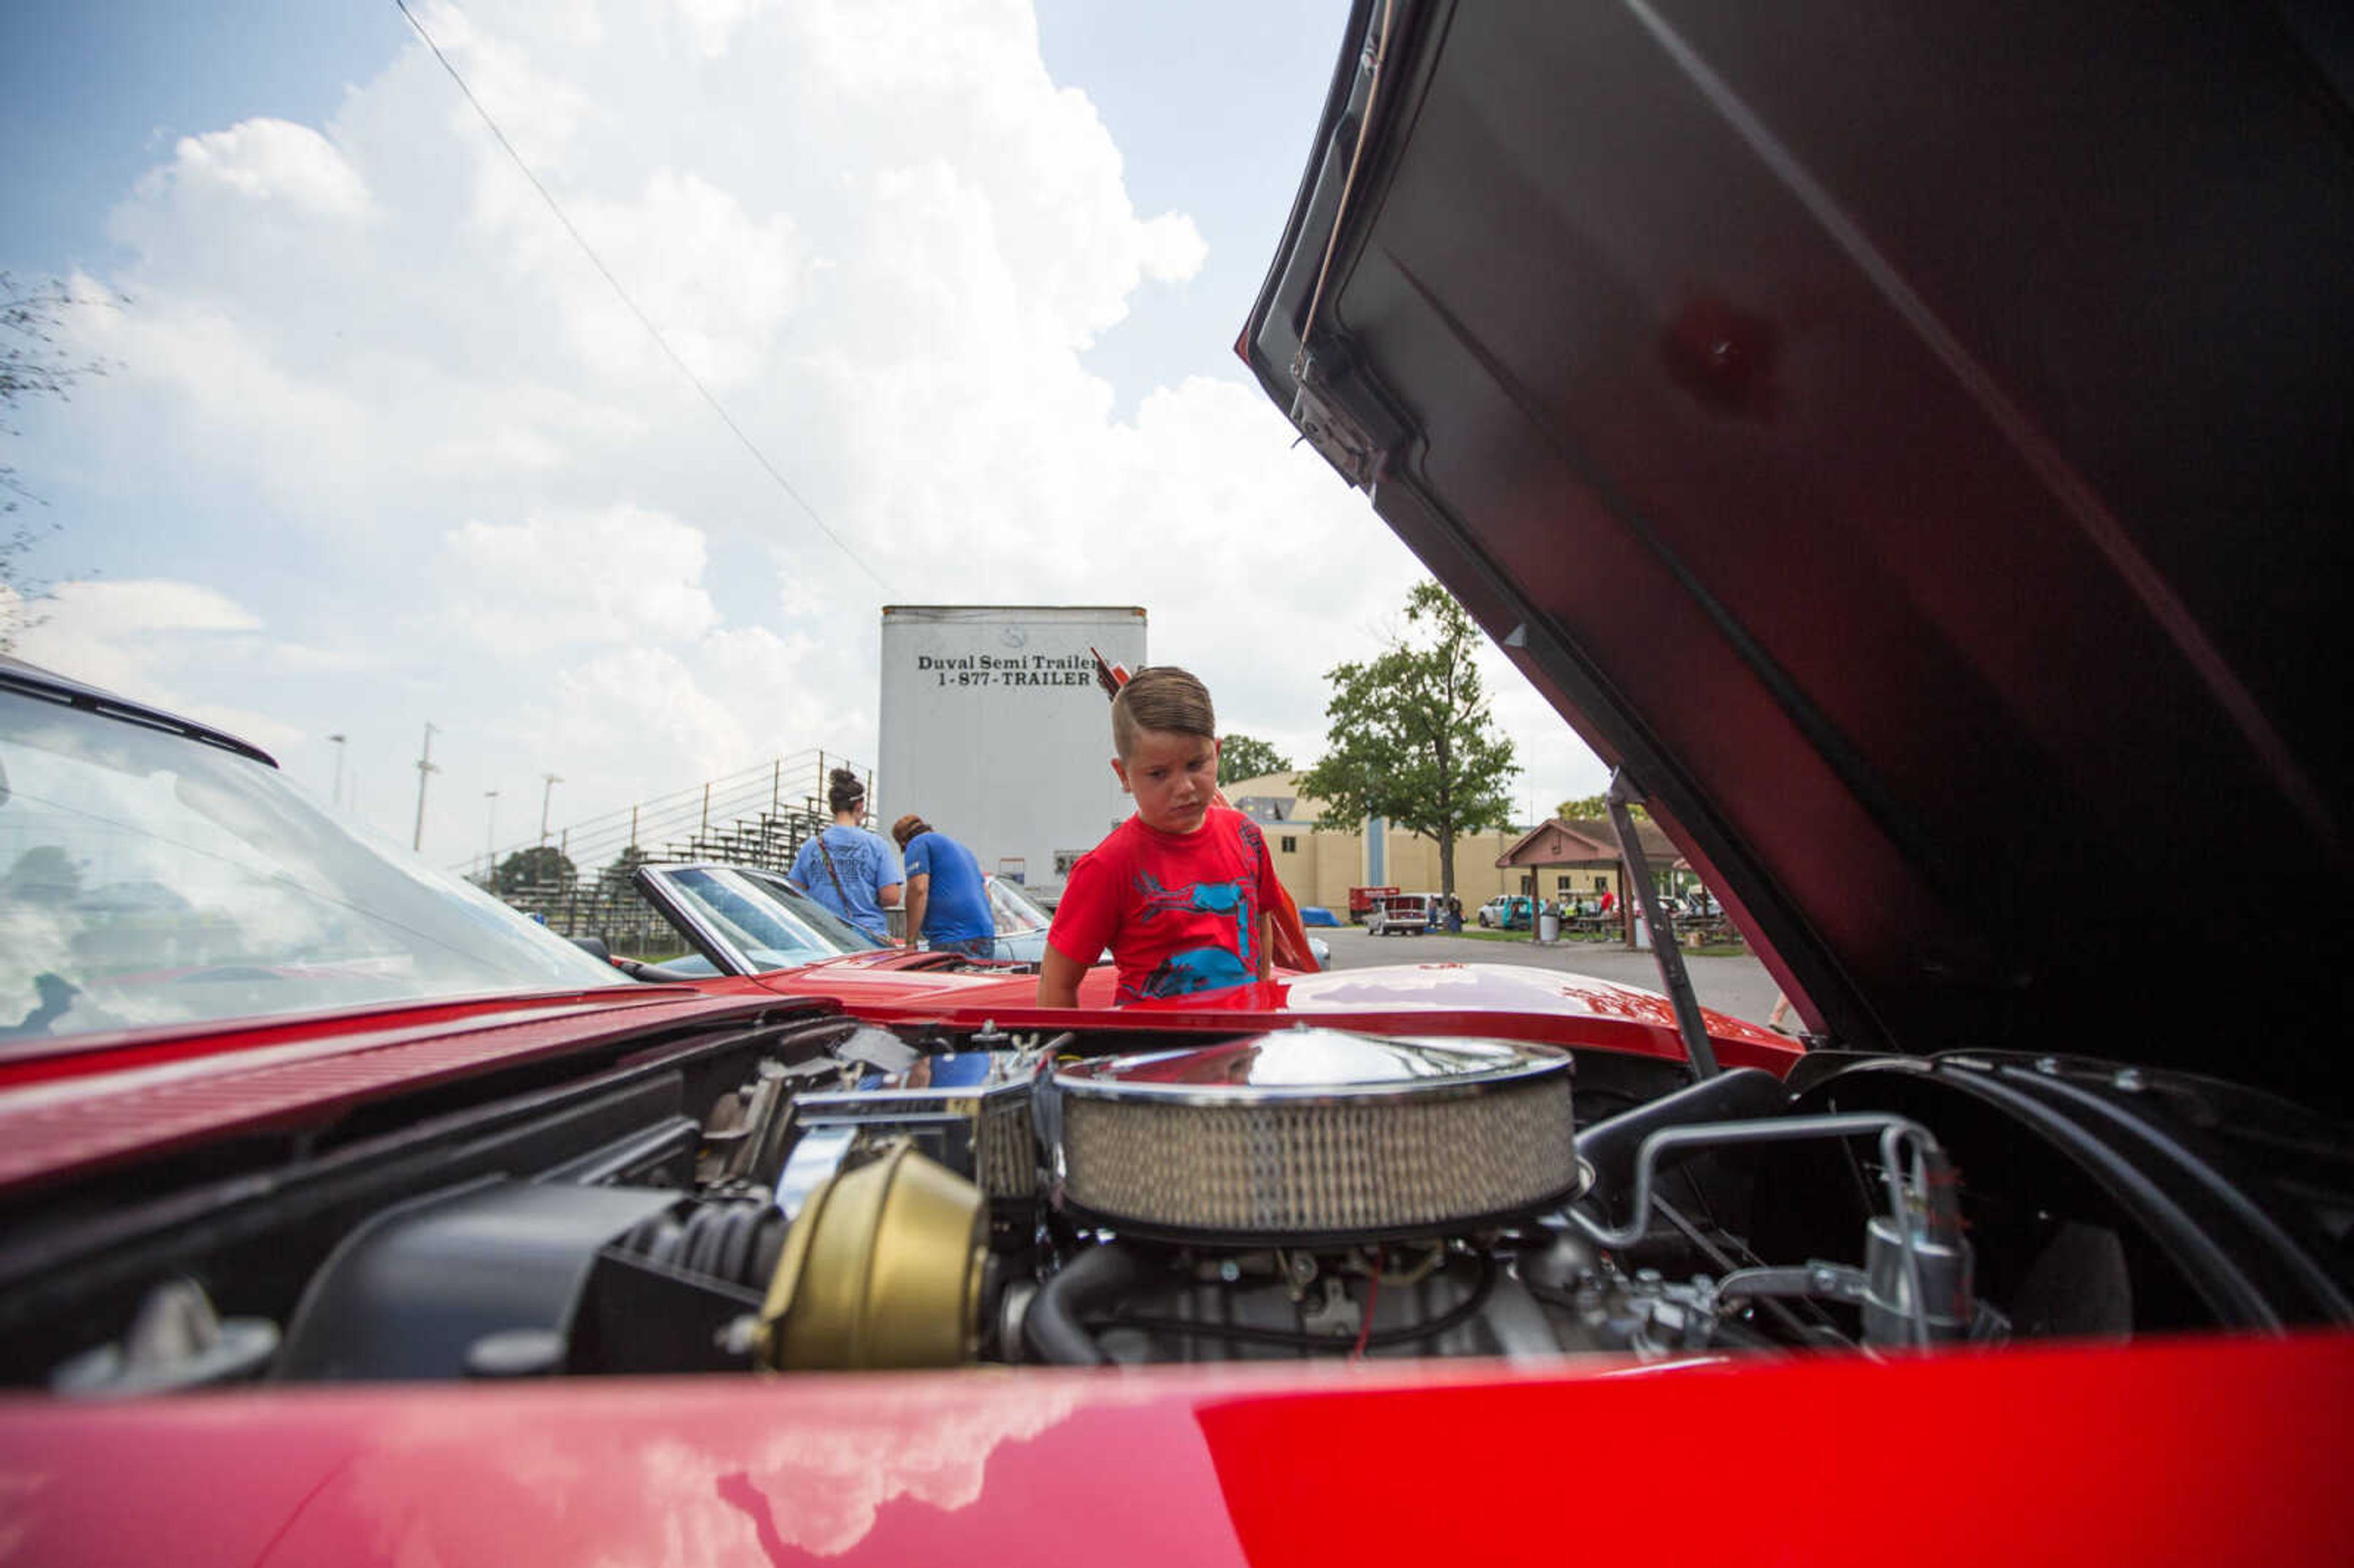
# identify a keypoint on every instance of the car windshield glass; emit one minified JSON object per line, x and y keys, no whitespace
{"x":1015,"y":914}
{"x":147,"y":878}
{"x":761,"y":917}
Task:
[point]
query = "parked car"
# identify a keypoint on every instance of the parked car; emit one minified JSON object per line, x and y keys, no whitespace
{"x":1361,"y":900}
{"x":1507,"y":912}
{"x":1847,"y":359}
{"x":1396,"y":913}
{"x":744,"y":920}
{"x":740,"y":919}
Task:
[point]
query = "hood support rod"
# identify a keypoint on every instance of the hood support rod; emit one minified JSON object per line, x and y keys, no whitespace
{"x":1673,"y":977}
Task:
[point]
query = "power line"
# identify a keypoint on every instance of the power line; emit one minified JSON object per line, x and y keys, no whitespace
{"x":643,"y":320}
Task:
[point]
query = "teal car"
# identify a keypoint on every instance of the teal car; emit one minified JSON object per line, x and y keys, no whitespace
{"x":1509,"y":912}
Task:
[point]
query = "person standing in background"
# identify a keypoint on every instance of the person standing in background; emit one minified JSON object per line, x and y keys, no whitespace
{"x":948,"y":906}
{"x":849,"y":869}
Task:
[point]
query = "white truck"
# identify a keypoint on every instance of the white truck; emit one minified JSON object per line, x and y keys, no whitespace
{"x":994,"y":730}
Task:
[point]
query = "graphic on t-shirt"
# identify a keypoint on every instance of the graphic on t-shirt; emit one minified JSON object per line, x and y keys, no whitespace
{"x":1192,"y":970}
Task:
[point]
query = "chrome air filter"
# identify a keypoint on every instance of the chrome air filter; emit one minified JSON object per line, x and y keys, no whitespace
{"x":1316,"y":1135}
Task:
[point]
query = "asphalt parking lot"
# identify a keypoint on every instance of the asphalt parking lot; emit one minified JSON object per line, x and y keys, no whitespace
{"x":1739,"y":986}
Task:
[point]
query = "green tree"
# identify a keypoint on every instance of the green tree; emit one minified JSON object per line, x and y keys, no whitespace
{"x":615,"y":877}
{"x":1411,"y":738}
{"x":1594,"y":807}
{"x":1246,"y":756}
{"x":541,"y":867}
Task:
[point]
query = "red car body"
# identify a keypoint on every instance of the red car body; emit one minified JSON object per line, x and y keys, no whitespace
{"x":1913,"y":448}
{"x":2073,"y":1458}
{"x":2072,"y":1452}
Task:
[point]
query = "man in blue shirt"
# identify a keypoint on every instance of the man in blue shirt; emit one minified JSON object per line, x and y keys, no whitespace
{"x":946,"y":901}
{"x":849,"y":868}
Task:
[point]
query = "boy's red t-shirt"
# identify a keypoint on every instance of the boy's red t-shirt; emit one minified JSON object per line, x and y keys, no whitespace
{"x":1179,"y":911}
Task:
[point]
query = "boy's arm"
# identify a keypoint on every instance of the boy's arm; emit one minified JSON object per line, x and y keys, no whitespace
{"x":1266,"y":946}
{"x":1058,"y":980}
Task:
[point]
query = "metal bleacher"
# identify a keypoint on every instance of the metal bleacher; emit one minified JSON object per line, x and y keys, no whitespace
{"x":577,"y":880}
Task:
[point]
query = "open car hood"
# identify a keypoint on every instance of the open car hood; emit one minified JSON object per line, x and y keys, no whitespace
{"x":1918,"y":450}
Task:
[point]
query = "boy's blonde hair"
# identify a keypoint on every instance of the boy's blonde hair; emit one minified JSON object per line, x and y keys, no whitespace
{"x":1160,"y":697}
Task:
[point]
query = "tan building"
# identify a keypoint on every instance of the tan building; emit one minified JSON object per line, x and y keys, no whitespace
{"x":1320,"y":862}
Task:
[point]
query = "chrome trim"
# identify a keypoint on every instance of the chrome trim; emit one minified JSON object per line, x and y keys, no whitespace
{"x":1524,"y":1062}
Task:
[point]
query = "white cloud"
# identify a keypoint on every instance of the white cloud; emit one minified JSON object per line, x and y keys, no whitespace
{"x":464,"y":487}
{"x":1172,"y":250}
{"x":620,"y":574}
{"x":262,"y":161}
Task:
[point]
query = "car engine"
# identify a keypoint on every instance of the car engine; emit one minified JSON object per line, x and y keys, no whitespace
{"x":817,"y":1193}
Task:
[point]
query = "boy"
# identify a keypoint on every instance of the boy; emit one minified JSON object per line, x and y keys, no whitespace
{"x":1180,"y":891}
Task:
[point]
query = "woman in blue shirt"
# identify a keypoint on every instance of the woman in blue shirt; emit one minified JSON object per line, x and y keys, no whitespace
{"x":847,"y":867}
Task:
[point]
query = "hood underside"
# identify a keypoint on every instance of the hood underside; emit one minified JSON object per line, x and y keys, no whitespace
{"x":1918,"y":448}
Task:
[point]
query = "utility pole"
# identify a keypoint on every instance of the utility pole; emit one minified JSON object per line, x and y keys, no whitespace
{"x":336,"y":798}
{"x":424,"y":769}
{"x":491,"y":837}
{"x":549,"y":789}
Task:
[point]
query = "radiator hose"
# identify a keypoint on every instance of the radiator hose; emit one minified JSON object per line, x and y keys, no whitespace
{"x":1088,"y":1285}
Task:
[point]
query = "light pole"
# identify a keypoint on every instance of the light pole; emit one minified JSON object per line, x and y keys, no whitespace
{"x":337,"y":797}
{"x":547,"y":791}
{"x":491,"y":837}
{"x":424,"y":769}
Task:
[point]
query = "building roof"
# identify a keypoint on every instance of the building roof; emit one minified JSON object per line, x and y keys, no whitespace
{"x":1583,"y":840}
{"x":1275,"y":798}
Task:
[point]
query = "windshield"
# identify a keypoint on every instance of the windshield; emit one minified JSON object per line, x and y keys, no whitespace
{"x":761,"y":917}
{"x":146,"y":879}
{"x":1014,"y":912}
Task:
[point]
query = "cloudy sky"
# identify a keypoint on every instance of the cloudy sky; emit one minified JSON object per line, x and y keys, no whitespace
{"x":379,"y":446}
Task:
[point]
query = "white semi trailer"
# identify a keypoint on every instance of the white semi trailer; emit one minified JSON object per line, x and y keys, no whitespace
{"x":996,"y":733}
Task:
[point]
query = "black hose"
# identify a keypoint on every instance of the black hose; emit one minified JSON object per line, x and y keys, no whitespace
{"x":1087,"y":1285}
{"x":1453,"y":1317}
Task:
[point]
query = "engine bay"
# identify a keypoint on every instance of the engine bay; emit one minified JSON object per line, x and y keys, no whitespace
{"x":820,"y":1194}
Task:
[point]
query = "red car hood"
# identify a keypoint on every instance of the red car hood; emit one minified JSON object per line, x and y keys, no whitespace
{"x":63,"y":1107}
{"x":1913,"y":442}
{"x":2072,"y":1455}
{"x":1505,"y":1001}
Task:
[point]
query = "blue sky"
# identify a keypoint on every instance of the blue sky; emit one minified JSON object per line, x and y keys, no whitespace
{"x":93,"y":95}
{"x":373,"y":428}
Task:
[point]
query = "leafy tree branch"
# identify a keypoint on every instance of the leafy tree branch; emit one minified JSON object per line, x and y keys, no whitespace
{"x":1411,"y":737}
{"x":34,"y":363}
{"x":1246,"y":756}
